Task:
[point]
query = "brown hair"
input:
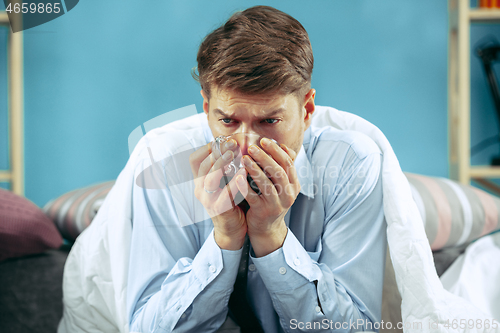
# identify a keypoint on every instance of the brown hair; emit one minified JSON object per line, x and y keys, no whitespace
{"x":260,"y":50}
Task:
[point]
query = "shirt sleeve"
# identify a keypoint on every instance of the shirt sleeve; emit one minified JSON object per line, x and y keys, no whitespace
{"x":339,"y":287}
{"x":178,"y":279}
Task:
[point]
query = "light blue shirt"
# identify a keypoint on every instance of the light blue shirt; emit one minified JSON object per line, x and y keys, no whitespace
{"x":328,"y":276}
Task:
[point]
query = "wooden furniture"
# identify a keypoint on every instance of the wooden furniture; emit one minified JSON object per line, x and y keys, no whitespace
{"x":461,"y":16}
{"x":15,"y":174}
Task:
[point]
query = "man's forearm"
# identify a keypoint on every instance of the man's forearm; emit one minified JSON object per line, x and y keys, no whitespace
{"x":194,"y":295}
{"x":304,"y":291}
{"x":263,"y":244}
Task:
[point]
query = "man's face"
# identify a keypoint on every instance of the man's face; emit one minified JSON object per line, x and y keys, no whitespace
{"x":283,"y":118}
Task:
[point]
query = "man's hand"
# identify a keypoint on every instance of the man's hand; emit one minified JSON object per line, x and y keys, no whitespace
{"x":229,"y":220}
{"x":273,"y":171}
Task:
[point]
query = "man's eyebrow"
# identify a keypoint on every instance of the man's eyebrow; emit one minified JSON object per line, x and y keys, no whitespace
{"x":274,"y":112}
{"x":267,"y":115}
{"x":220,"y":112}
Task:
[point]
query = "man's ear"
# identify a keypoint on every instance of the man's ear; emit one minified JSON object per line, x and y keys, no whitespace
{"x":205,"y":101}
{"x":309,"y":106}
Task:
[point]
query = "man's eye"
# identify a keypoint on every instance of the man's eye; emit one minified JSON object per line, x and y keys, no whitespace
{"x":226,"y":120}
{"x":271,"y":121}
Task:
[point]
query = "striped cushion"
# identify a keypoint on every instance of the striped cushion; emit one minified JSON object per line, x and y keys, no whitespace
{"x":453,"y":214}
{"x":72,"y":212}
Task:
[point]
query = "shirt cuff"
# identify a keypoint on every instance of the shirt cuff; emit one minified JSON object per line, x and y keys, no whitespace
{"x":289,"y":267}
{"x":216,"y":266}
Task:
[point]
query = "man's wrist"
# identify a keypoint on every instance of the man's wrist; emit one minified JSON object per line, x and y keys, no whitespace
{"x":263,"y":244}
{"x":229,"y":242}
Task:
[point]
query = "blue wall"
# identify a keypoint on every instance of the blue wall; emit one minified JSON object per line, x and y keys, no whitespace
{"x":98,"y":72}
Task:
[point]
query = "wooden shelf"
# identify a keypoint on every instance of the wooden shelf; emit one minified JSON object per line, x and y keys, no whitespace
{"x":5,"y":176}
{"x":4,"y":18}
{"x":484,"y":171}
{"x":15,"y":100}
{"x":460,"y":19}
{"x":484,"y":15}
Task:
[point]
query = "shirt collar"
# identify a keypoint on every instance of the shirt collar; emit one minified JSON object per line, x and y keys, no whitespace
{"x":304,"y":169}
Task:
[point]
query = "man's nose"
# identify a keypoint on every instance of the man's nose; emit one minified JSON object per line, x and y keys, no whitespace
{"x":246,"y":139}
{"x":247,"y":129}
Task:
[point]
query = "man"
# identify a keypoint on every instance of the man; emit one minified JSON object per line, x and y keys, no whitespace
{"x":315,"y":253}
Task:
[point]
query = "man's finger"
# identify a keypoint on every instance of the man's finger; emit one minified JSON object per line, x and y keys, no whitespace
{"x":229,"y":145}
{"x":284,"y":156}
{"x":197,"y":157}
{"x":260,"y":178}
{"x":206,"y":165}
{"x":226,"y":158}
{"x":289,"y":151}
{"x":248,"y":193}
{"x":227,"y":197}
{"x":288,"y":165}
{"x":274,"y":161}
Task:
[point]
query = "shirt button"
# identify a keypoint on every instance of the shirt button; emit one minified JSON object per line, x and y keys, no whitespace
{"x":251,"y":267}
{"x":178,"y":307}
{"x":318,"y":309}
{"x":183,"y":316}
{"x":296,"y":262}
{"x":212,"y":269}
{"x":282,"y":270}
